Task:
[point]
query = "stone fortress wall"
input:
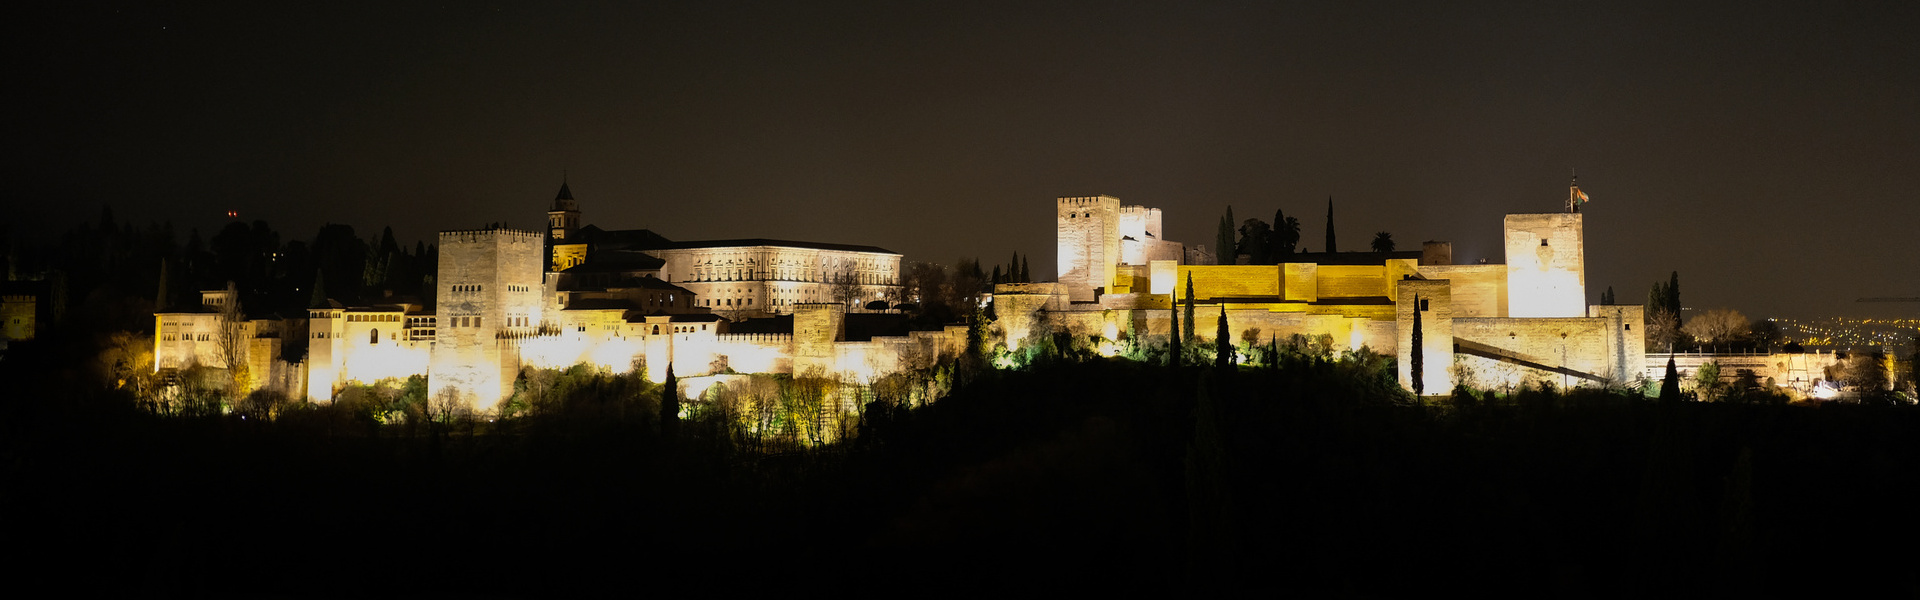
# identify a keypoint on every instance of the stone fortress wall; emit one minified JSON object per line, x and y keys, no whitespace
{"x":1525,"y":321}
{"x":1522,"y":322}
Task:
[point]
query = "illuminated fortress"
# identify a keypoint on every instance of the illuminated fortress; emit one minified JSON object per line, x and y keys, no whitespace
{"x":621,"y":300}
{"x":626,"y":299}
{"x":1484,"y":325}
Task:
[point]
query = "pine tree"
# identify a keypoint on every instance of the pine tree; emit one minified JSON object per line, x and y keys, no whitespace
{"x":1222,"y":343}
{"x":1187,"y":335}
{"x":1417,"y":364}
{"x":1331,"y":247}
{"x":670,"y":405}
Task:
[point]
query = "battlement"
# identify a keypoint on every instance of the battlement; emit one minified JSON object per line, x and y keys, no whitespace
{"x":755,"y":338}
{"x":1086,"y":200}
{"x":475,"y":235}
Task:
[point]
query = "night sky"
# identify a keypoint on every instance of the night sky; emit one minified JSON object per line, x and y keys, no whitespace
{"x":1767,"y":153}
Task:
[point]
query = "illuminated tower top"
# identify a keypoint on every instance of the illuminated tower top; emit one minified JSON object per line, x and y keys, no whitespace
{"x":563,"y":219}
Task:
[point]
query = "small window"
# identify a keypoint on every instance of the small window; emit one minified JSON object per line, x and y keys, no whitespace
{"x":1629,"y":327}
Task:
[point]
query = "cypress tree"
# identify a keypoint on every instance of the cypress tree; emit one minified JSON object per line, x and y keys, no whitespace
{"x":1224,"y":255}
{"x":160,"y":301}
{"x":670,"y":405}
{"x":1187,"y":335}
{"x":319,"y":289}
{"x":1026,"y":275}
{"x":1331,"y":247}
{"x":1670,"y":385}
{"x":1417,"y":364}
{"x":1673,"y":294}
{"x":1173,"y":336}
{"x":1223,"y":343}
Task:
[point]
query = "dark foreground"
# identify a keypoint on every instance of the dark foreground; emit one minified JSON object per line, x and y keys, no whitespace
{"x":1077,"y":478}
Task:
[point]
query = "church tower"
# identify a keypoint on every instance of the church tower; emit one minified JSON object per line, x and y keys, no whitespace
{"x":564,"y":246}
{"x":563,"y":219}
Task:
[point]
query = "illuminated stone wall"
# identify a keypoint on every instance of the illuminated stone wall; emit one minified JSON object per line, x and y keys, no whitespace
{"x":1478,"y":290}
{"x":1087,"y":235}
{"x":751,"y":281}
{"x":1580,"y":344}
{"x":1797,"y":371}
{"x":1350,"y":281}
{"x":1228,"y":281}
{"x":1433,"y":298}
{"x":1546,"y":269}
{"x":1141,"y":240}
{"x":1626,"y":338}
{"x":489,"y":290}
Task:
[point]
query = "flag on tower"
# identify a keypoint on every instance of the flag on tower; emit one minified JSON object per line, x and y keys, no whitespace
{"x":1579,"y":195}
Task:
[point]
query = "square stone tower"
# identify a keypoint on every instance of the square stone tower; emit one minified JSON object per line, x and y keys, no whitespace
{"x":489,"y":294}
{"x":1088,"y":238}
{"x":1433,"y":299}
{"x":1546,"y":266}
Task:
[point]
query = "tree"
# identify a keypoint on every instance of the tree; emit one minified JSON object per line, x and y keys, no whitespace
{"x":1383,"y":242}
{"x":1606,"y":297}
{"x":1331,"y":246}
{"x":1663,"y":330}
{"x":1418,"y":362}
{"x":1255,"y":240}
{"x":1223,"y":343}
{"x":1765,"y":334}
{"x":1670,"y":384}
{"x":1173,"y":336}
{"x":1187,"y":335}
{"x":1026,"y":272}
{"x":1673,"y":293}
{"x":1707,"y":380}
{"x":1225,"y":241}
{"x":232,"y":342}
{"x":1717,"y":326}
{"x":845,"y":288}
{"x":1286,"y":236}
{"x":670,"y":405}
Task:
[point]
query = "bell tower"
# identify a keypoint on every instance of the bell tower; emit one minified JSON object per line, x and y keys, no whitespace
{"x":563,"y":219}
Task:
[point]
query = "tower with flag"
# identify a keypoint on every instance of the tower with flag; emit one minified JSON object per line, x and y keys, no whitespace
{"x":1575,"y":197}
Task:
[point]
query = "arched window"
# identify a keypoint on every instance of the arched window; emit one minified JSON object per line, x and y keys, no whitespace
{"x":374,"y":337}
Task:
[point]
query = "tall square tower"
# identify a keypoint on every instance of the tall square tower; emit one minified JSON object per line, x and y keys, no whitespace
{"x":1546,"y":266}
{"x":1088,"y":238}
{"x":489,"y":293}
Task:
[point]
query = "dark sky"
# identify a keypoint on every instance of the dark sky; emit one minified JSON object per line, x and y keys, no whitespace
{"x":1765,"y":152}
